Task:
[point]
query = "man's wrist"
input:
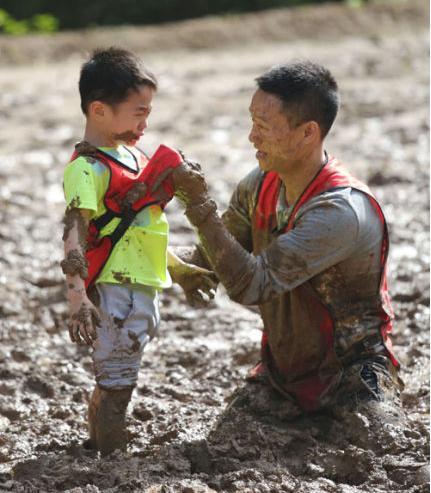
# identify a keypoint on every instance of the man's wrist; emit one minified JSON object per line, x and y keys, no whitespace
{"x":198,"y":213}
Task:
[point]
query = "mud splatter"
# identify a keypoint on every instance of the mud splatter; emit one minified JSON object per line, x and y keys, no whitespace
{"x":75,"y":264}
{"x":122,"y":277}
{"x":137,"y":192}
{"x":86,"y":314}
{"x":126,"y":136}
{"x":119,"y":322}
{"x":136,"y":344}
{"x":86,"y":149}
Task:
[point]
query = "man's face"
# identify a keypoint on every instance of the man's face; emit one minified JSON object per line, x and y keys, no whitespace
{"x":125,"y":122}
{"x":276,"y":140}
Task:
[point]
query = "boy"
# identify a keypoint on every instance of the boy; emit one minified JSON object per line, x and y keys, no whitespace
{"x":116,"y":235}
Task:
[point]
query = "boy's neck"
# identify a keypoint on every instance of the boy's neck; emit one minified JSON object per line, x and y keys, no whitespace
{"x":98,"y":139}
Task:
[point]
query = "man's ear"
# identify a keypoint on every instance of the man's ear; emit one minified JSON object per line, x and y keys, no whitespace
{"x":311,"y":131}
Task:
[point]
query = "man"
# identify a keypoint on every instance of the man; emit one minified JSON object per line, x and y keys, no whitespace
{"x":306,"y":242}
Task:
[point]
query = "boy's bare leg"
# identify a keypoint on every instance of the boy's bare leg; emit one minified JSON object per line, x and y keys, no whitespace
{"x":107,"y":419}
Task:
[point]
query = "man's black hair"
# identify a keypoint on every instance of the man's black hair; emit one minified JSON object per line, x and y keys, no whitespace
{"x":109,"y":76}
{"x":307,"y":90}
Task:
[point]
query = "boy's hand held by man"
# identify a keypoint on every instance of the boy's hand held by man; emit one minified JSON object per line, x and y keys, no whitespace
{"x":199,"y":284}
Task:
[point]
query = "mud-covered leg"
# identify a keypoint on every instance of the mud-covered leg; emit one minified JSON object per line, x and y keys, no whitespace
{"x":110,"y":419}
{"x":93,"y":406}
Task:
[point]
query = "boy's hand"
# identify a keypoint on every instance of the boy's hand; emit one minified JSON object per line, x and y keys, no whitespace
{"x":199,"y":284}
{"x":84,"y":318}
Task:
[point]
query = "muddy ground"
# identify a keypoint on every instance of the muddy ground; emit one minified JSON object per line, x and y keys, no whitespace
{"x":183,"y":436}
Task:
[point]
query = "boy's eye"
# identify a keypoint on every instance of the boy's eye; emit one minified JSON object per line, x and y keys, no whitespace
{"x":143,"y":112}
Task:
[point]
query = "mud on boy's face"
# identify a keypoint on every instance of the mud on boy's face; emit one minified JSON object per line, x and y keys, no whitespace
{"x":126,"y":122}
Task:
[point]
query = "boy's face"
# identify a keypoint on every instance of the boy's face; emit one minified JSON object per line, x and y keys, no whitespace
{"x":125,"y":122}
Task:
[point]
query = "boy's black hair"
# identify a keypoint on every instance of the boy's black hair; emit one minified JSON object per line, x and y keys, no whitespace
{"x":110,"y":74}
{"x":308,"y":92}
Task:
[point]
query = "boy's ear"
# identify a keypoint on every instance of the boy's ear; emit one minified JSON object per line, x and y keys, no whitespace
{"x":96,"y":109}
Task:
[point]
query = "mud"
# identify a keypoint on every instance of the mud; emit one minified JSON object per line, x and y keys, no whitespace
{"x":75,"y":264}
{"x":83,"y":325}
{"x":137,"y":192}
{"x":109,"y":419}
{"x":86,"y":149}
{"x":84,"y":314}
{"x":183,"y":435}
{"x":122,"y":277}
{"x":127,"y":136}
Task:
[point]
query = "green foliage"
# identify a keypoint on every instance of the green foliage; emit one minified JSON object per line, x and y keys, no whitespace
{"x":45,"y":23}
{"x":355,"y":3}
{"x":42,"y":23}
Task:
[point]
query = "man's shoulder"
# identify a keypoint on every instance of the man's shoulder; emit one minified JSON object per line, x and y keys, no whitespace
{"x":346,"y":197}
{"x":251,"y":181}
{"x":341,"y":195}
{"x":348,"y":207}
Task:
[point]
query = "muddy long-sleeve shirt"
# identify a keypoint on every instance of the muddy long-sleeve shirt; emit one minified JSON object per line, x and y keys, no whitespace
{"x":337,"y":227}
{"x":335,"y":247}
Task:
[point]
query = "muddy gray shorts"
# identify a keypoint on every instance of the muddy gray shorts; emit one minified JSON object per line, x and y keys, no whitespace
{"x":129,"y":319}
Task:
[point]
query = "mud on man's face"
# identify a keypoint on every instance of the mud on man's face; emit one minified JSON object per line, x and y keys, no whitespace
{"x":277,"y":140}
{"x":125,"y":122}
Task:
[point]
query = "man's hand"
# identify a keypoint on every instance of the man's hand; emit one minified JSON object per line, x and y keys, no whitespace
{"x":199,"y":284}
{"x":84,"y":318}
{"x":189,"y":183}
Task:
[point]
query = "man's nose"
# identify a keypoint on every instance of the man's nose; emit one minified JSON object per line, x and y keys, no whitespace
{"x":252,"y":136}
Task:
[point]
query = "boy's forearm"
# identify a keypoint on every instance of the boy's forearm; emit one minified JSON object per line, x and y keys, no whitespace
{"x":191,"y":255}
{"x":84,"y":316}
{"x":75,"y":288}
{"x":74,"y":265}
{"x":173,"y":259}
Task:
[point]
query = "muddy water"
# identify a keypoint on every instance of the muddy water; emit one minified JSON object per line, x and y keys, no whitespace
{"x":184,"y":436}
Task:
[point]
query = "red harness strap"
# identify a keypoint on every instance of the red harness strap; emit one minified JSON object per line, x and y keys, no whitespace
{"x":122,"y":179}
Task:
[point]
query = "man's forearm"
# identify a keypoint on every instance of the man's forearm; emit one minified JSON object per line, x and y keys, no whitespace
{"x":233,"y":265}
{"x":231,"y":262}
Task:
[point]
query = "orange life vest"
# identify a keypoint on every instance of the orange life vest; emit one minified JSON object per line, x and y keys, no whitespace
{"x":122,"y":180}
{"x":311,"y":387}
